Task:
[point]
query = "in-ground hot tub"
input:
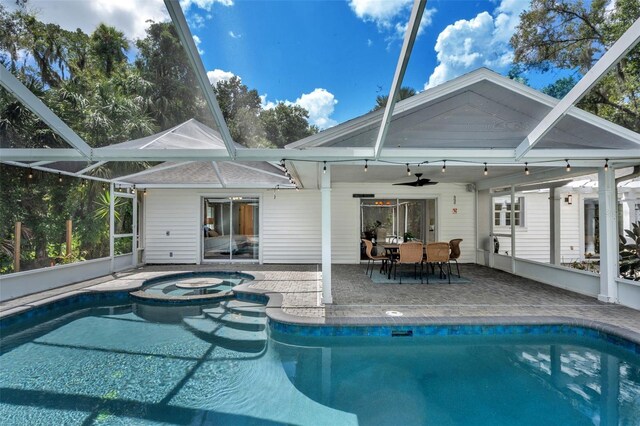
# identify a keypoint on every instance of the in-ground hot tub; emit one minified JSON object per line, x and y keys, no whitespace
{"x":192,"y":286}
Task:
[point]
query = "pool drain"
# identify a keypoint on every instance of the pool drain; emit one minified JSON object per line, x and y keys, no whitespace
{"x":394,"y":313}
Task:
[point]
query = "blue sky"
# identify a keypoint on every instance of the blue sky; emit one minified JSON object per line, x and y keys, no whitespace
{"x":332,"y":57}
{"x":349,"y":48}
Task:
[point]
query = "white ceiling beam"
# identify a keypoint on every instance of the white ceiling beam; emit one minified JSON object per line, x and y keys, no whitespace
{"x":35,"y":105}
{"x":255,"y":169}
{"x":619,"y":49}
{"x":536,"y":176}
{"x":216,"y":169}
{"x":405,"y":53}
{"x":53,"y":171}
{"x":91,"y":167}
{"x":355,"y":155}
{"x":184,"y":33}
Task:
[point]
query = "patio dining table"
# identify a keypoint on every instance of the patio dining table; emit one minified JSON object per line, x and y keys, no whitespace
{"x":391,"y":250}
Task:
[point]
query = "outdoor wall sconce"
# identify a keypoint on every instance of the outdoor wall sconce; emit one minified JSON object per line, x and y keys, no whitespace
{"x":568,"y":199}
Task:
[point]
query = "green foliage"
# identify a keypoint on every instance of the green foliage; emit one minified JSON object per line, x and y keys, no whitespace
{"x":629,"y":252}
{"x":572,"y":35}
{"x":284,"y":124}
{"x":560,"y":87}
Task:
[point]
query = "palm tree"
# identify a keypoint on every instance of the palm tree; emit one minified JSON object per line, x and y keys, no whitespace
{"x":109,"y":47}
{"x":404,"y":93}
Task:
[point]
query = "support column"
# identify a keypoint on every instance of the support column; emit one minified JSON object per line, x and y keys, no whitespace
{"x":512,"y":214}
{"x":111,"y":227}
{"x":608,"y":235}
{"x":590,"y":228}
{"x":326,"y":235}
{"x":554,"y":226}
{"x":134,"y":240}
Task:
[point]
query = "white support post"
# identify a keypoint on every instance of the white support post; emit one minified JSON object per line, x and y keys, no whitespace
{"x":492,"y":219}
{"x":112,"y":223}
{"x":608,"y":235}
{"x":554,"y":226}
{"x":513,"y":228}
{"x":134,"y":228}
{"x":326,"y":236}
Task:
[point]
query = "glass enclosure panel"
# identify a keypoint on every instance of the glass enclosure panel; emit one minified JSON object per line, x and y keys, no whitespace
{"x":123,"y":215}
{"x":246,"y":232}
{"x":123,"y":245}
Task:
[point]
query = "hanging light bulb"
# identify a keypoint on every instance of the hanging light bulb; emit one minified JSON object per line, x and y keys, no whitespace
{"x":104,"y":187}
{"x":324,"y":168}
{"x":568,"y":168}
{"x":30,"y":175}
{"x":366,"y":165}
{"x":526,"y":169}
{"x":606,"y":164}
{"x":59,"y":177}
{"x":297,"y":189}
{"x":144,"y":192}
{"x":486,"y":171}
{"x":408,"y":170}
{"x":444,"y":166}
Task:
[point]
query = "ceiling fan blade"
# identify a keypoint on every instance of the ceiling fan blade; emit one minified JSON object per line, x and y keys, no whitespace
{"x":423,"y":182}
{"x":414,"y":183}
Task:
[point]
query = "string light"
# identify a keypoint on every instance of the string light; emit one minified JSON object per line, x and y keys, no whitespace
{"x":104,"y":187}
{"x":324,"y":168}
{"x":366,"y":165}
{"x":606,"y":164}
{"x":408,"y":170}
{"x":30,"y":176}
{"x":444,"y":166}
{"x":144,"y":192}
{"x":486,"y":171}
{"x":526,"y":169}
{"x":568,"y":165}
{"x":59,"y":177}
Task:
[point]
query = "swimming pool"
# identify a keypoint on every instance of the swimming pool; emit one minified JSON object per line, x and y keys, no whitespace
{"x":133,"y":363}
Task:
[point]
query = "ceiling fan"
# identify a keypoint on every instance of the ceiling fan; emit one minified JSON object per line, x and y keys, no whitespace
{"x":418,"y":182}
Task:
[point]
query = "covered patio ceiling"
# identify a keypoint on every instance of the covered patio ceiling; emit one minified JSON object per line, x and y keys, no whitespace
{"x":475,"y":120}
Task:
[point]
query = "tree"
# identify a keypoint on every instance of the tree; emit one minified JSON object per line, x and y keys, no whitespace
{"x":109,"y":47}
{"x":560,"y":87}
{"x":175,"y":95}
{"x":403,"y":93}
{"x":573,"y":36}
{"x":284,"y":124}
{"x":241,"y":109}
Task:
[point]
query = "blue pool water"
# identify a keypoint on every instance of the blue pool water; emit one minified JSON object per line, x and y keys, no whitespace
{"x":216,"y":364}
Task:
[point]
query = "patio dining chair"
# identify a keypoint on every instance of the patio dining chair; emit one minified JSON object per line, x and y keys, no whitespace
{"x":454,"y":245}
{"x":408,"y":253}
{"x":438,"y":254}
{"x":371,"y":258}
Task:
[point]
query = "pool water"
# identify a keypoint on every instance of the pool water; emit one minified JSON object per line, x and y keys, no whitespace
{"x":216,"y":364}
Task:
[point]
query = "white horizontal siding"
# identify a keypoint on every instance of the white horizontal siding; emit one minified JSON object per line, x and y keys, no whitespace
{"x":175,"y":211}
{"x":571,"y":229}
{"x":291,"y":228}
{"x":291,"y":223}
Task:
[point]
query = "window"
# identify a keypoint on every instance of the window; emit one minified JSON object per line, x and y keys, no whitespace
{"x":502,"y":212}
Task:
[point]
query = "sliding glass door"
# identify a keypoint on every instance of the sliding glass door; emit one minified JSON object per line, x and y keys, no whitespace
{"x":231,"y":228}
{"x":397,"y":220}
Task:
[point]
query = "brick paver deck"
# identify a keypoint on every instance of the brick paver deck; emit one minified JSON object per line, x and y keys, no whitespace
{"x":491,"y":294}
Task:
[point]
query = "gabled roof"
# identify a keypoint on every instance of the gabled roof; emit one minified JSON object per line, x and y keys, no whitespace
{"x":481,"y":109}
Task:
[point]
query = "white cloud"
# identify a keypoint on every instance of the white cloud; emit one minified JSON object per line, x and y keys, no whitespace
{"x":127,"y":16}
{"x":389,"y":15}
{"x":203,"y":4}
{"x":482,"y":41}
{"x":320,"y":104}
{"x":234,"y":35}
{"x":196,"y":21}
{"x":197,"y":41}
{"x":219,"y":75}
{"x":369,"y":42}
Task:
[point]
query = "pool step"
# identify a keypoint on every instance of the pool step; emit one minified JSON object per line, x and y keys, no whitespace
{"x":230,"y":338}
{"x":244,"y":308}
{"x":237,"y":321}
